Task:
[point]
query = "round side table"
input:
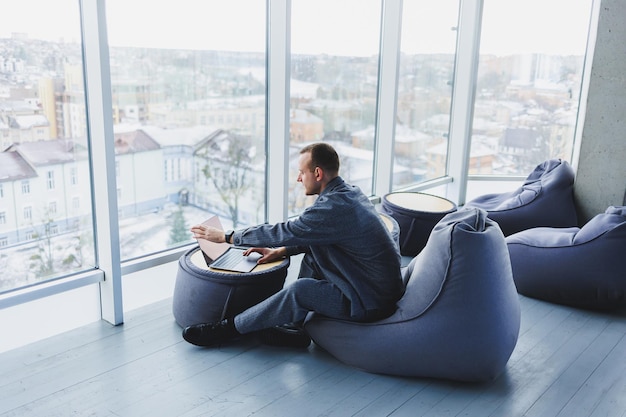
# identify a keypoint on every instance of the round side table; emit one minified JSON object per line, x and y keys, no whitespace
{"x":416,"y":214}
{"x":206,"y":295}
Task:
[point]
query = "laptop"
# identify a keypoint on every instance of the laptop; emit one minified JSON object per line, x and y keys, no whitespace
{"x":224,"y":256}
{"x":234,"y":260}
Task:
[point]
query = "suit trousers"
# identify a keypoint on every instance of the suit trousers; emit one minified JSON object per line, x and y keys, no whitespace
{"x":310,"y":292}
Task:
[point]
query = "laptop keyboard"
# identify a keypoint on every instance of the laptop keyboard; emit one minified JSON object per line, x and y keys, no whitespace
{"x":229,"y":260}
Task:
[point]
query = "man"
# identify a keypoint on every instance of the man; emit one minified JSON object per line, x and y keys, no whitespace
{"x":350,"y":270}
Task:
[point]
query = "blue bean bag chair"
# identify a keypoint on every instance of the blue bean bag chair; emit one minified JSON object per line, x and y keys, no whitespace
{"x":581,"y":267}
{"x":545,"y":199}
{"x":458,"y":319}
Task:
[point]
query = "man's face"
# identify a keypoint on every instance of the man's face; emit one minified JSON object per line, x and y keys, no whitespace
{"x":307,"y":177}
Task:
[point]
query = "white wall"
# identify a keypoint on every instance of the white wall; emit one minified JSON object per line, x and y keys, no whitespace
{"x":39,"y":319}
{"x":45,"y":317}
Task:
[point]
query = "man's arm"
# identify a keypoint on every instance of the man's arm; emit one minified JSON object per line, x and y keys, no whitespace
{"x":209,"y":233}
{"x":216,"y":235}
{"x":295,"y":250}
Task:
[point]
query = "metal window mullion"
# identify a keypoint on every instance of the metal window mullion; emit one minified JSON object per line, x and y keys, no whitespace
{"x":277,"y":109}
{"x":586,"y":80}
{"x":463,"y":94}
{"x":102,"y":156}
{"x":391,"y":28}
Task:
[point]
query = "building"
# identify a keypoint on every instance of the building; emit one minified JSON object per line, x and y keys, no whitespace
{"x":45,"y":186}
{"x":570,"y":361}
{"x":304,"y":126}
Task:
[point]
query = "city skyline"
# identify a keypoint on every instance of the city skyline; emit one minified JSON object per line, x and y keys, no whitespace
{"x":313,"y":31}
{"x":532,"y":97}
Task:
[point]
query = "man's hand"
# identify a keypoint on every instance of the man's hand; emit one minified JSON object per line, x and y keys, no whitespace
{"x":209,"y":233}
{"x":267,"y":254}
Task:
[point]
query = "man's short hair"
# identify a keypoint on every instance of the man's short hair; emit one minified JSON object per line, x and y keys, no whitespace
{"x":324,"y":156}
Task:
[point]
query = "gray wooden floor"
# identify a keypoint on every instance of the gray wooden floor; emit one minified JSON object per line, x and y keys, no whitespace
{"x":567,"y":362}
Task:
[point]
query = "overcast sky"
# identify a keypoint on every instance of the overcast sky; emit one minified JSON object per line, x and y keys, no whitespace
{"x":342,"y":27}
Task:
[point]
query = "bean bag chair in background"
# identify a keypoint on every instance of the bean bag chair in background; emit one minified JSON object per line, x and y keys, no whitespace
{"x":458,"y":319}
{"x":581,"y":267}
{"x":545,"y":199}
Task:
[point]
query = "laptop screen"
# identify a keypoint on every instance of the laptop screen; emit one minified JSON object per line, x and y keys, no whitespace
{"x":212,"y":250}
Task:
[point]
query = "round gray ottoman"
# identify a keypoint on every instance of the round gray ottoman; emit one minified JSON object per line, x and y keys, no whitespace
{"x":206,"y":295}
{"x":416,"y":215}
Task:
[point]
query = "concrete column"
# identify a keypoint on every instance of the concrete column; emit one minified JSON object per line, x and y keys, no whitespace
{"x":601,"y":167}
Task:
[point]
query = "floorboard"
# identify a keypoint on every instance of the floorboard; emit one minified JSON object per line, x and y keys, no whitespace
{"x":567,"y":362}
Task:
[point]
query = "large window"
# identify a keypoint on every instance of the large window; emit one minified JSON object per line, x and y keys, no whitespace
{"x":40,"y":103}
{"x":425,"y":80}
{"x":190,"y":87}
{"x":529,"y":81}
{"x":188,"y":90}
{"x":334,"y":81}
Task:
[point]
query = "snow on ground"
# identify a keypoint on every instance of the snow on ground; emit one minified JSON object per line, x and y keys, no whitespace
{"x":145,"y":234}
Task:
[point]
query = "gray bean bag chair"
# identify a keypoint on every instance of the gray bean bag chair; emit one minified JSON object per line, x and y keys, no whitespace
{"x":458,"y":319}
{"x":545,"y":199}
{"x":581,"y":267}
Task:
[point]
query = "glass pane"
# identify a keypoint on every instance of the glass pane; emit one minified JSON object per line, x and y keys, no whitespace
{"x":334,"y":81}
{"x":188,"y":91}
{"x":529,"y":81}
{"x":427,"y":59}
{"x":45,"y":196}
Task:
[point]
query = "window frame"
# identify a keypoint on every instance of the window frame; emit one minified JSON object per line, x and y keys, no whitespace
{"x":104,"y":168}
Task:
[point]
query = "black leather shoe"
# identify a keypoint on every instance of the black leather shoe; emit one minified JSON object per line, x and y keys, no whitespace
{"x":286,"y":335}
{"x":210,"y":334}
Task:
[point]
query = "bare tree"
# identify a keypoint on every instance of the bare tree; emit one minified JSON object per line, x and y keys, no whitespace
{"x":42,"y":261}
{"x":228,"y":167}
